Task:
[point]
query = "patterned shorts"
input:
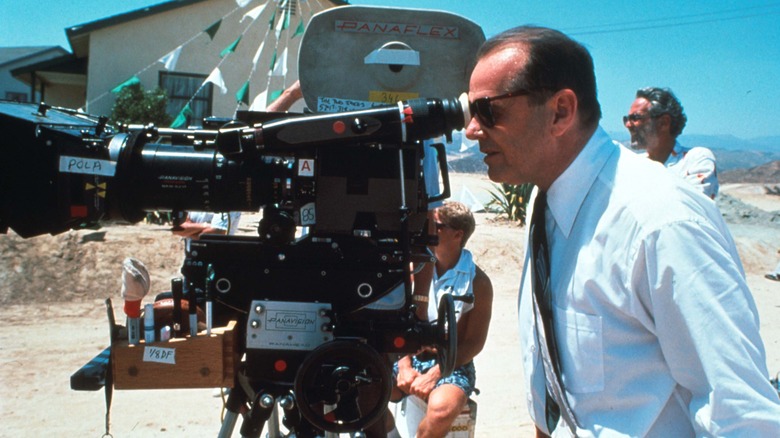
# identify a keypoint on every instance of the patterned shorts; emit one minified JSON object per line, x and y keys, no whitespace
{"x":464,"y":377}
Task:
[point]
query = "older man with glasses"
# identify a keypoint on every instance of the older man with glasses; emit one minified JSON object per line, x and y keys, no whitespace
{"x":635,"y":316}
{"x":654,"y":121}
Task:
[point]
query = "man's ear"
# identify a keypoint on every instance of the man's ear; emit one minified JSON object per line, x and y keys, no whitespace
{"x":564,"y":106}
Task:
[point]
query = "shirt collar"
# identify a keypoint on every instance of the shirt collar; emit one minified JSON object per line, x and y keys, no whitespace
{"x":677,"y":152}
{"x":568,"y":191}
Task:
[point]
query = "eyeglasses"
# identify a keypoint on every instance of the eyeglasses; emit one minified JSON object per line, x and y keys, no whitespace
{"x":483,"y":110}
{"x":440,"y":225}
{"x":635,"y":117}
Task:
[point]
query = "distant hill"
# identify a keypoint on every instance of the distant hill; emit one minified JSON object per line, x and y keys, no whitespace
{"x":732,"y":153}
{"x":768,"y":173}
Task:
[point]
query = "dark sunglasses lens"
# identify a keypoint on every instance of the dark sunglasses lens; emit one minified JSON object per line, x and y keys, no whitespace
{"x":482,"y":109}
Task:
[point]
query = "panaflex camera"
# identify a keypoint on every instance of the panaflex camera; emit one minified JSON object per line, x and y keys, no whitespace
{"x":308,"y":331}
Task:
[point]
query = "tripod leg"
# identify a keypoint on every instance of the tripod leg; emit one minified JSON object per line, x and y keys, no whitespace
{"x":273,"y":424}
{"x":235,"y":402}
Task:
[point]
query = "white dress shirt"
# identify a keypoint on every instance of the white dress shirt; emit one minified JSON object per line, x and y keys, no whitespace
{"x":656,"y":328}
{"x":697,"y":166}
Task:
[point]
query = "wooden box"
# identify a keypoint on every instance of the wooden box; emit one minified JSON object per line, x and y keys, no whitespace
{"x":199,"y":362}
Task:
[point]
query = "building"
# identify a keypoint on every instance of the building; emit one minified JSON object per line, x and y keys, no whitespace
{"x":15,"y":58}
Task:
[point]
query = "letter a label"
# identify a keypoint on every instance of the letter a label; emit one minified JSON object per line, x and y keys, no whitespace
{"x":306,"y":167}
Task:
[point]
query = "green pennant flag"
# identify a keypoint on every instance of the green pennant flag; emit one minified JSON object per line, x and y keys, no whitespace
{"x":274,"y":95}
{"x":286,"y":19}
{"x":212,"y":30}
{"x":243,"y":94}
{"x":181,"y":119}
{"x":273,"y":61}
{"x":299,"y":30}
{"x":230,"y":49}
{"x":271,"y":21}
{"x":127,"y":83}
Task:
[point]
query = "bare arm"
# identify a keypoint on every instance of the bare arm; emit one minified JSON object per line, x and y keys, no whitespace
{"x":195,"y":229}
{"x":473,"y":326}
{"x":288,"y":97}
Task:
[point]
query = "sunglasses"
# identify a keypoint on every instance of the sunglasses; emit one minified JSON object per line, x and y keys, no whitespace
{"x":440,"y":226}
{"x":633,"y":118}
{"x":482,"y":108}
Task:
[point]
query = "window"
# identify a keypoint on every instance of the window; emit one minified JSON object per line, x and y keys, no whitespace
{"x":16,"y":96}
{"x":181,"y":88}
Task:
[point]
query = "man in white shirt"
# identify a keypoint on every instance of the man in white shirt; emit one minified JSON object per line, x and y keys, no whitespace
{"x":657,"y":332}
{"x":654,"y":121}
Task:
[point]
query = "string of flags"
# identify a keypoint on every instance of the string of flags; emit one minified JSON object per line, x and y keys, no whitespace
{"x":278,"y":25}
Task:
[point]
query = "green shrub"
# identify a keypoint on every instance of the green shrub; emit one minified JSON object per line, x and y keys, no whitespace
{"x":510,"y":200}
{"x":133,"y":105}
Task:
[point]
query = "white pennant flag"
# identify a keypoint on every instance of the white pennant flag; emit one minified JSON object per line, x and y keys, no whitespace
{"x":259,"y":104}
{"x":254,"y":13}
{"x":170,"y":60}
{"x":242,"y":3}
{"x":216,"y":78}
{"x":280,"y":69}
{"x":258,"y":53}
{"x":280,"y":23}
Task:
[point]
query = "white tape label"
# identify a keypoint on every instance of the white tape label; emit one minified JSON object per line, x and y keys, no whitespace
{"x":160,"y":355}
{"x":308,"y":214}
{"x":87,"y":166}
{"x":306,"y":167}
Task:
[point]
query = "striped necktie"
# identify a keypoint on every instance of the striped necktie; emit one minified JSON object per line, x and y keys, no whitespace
{"x":540,"y":259}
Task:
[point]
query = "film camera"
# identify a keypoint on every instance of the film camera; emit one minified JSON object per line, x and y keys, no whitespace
{"x":307,"y":333}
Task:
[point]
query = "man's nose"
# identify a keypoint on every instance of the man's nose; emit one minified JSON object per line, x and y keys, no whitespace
{"x":473,"y":130}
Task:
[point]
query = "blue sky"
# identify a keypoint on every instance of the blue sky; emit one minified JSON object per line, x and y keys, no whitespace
{"x":721,"y":58}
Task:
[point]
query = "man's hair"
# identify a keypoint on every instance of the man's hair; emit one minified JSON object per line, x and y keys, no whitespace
{"x":458,"y":217}
{"x":555,"y":62}
{"x":663,"y":101}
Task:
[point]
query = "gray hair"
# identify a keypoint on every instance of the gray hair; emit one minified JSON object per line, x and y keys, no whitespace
{"x":663,"y":101}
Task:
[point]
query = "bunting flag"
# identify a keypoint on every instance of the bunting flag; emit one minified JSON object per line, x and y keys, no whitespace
{"x":242,"y":3}
{"x":259,"y":103}
{"x":273,"y":61}
{"x":271,"y":21}
{"x":169,"y":61}
{"x":299,"y":30}
{"x":254,"y":13}
{"x":216,"y":78}
{"x":212,"y":30}
{"x":258,"y":53}
{"x":242,"y":96}
{"x":281,"y":65}
{"x":127,"y":83}
{"x":275,"y":95}
{"x":230,"y":49}
{"x":283,"y":23}
{"x":181,"y":118}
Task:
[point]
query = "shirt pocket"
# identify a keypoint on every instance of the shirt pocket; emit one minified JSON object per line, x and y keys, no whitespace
{"x":580,"y":347}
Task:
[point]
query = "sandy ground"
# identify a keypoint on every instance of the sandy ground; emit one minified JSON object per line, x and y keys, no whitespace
{"x":44,"y":339}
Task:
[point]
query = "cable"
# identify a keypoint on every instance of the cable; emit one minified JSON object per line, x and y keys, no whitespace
{"x":645,"y":24}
